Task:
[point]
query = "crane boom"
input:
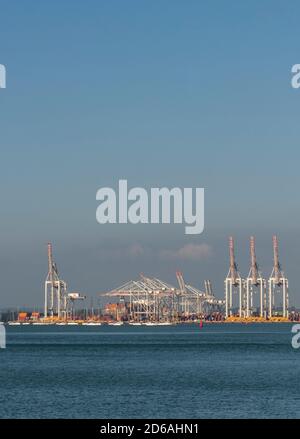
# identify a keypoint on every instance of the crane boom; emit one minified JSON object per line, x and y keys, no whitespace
{"x":233,"y":266}
{"x":277,"y":268}
{"x":50,"y":263}
{"x":254,"y":266}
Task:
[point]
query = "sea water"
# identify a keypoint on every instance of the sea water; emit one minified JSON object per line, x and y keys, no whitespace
{"x":182,"y":371}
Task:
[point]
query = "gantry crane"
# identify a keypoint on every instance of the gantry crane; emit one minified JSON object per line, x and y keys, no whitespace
{"x":255,"y":283}
{"x":55,"y":290}
{"x":278,"y":283}
{"x":233,"y":284}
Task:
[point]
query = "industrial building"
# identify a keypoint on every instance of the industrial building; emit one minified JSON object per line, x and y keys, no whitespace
{"x":149,"y":299}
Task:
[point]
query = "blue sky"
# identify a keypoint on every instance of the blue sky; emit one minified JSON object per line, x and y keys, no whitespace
{"x":173,"y":93}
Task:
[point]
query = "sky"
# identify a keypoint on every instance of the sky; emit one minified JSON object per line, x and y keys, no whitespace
{"x":173,"y":93}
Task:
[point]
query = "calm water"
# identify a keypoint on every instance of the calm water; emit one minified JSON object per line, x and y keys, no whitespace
{"x":146,"y":372}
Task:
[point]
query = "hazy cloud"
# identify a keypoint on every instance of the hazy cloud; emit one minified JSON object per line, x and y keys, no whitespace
{"x":135,"y":250}
{"x":191,"y":252}
{"x":123,"y":252}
